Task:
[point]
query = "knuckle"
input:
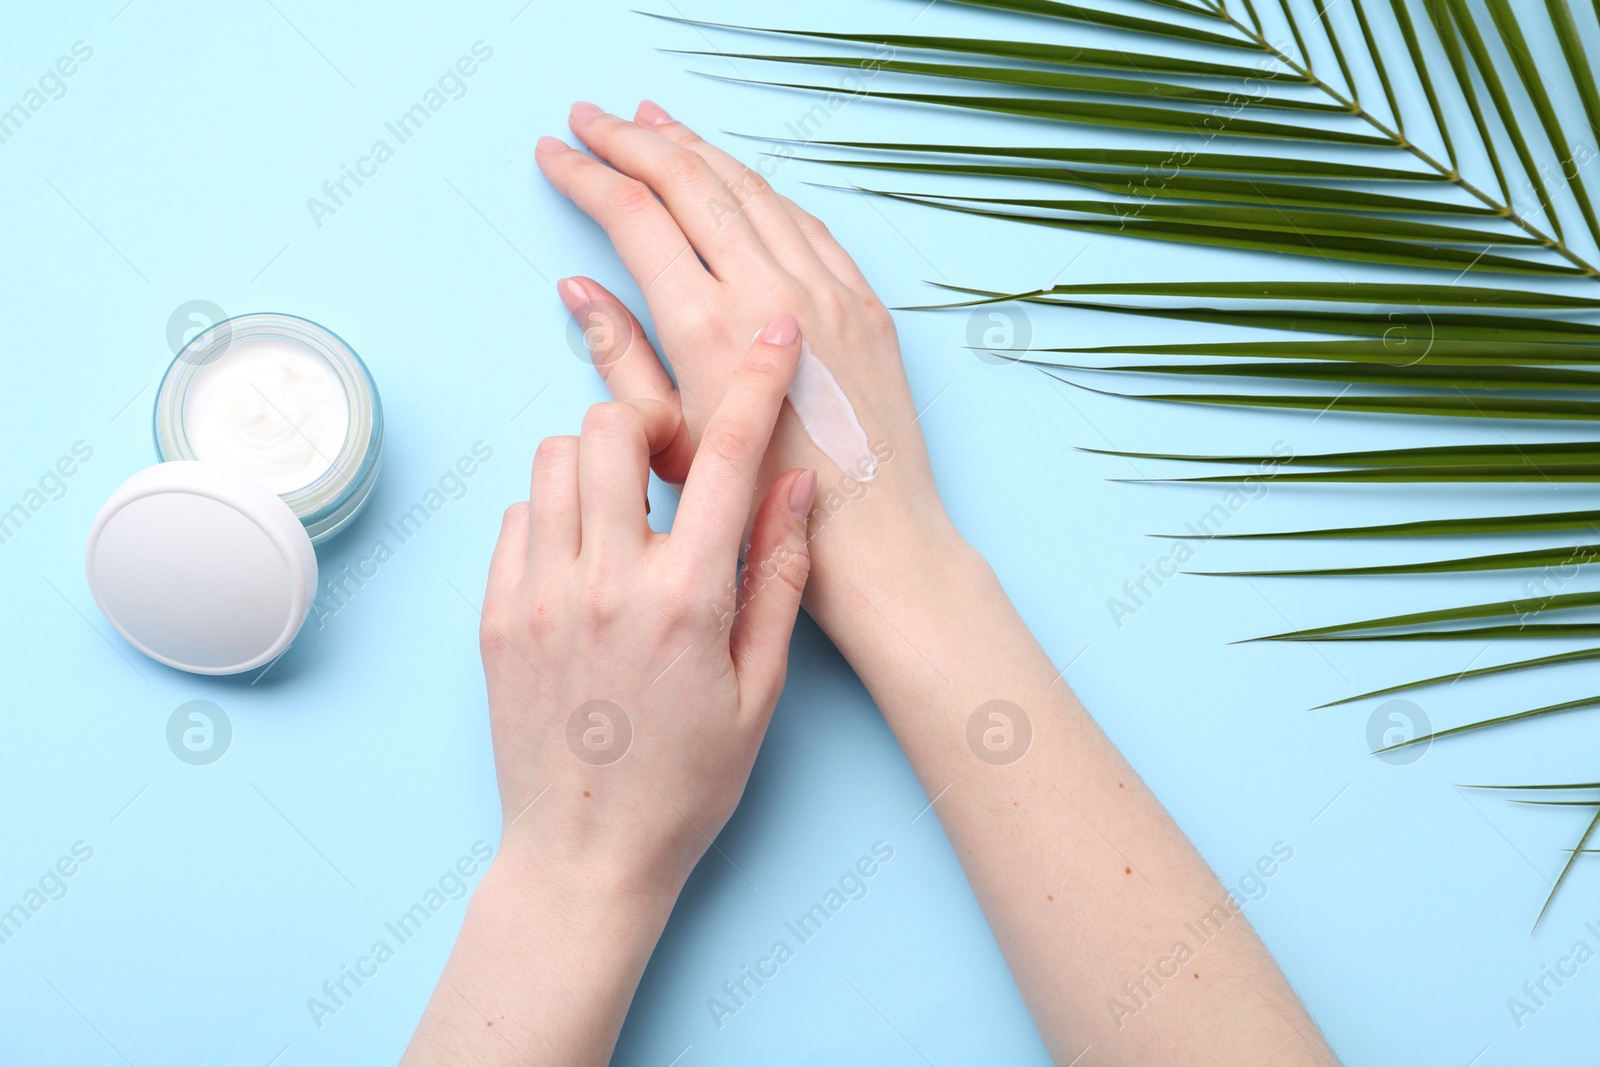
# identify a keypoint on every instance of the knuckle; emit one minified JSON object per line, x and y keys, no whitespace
{"x":764,"y":373}
{"x":751,"y":185}
{"x":682,"y":592}
{"x":810,"y":225}
{"x":554,"y":455}
{"x":795,"y":572}
{"x":611,"y":418}
{"x":834,"y":304}
{"x":700,"y":322}
{"x":601,"y":601}
{"x":515,"y":515}
{"x":684,"y":166}
{"x":876,"y":311}
{"x":630,"y":197}
{"x":729,"y":439}
{"x":494,"y":635}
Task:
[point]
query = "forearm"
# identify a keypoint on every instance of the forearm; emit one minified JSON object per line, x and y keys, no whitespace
{"x":1085,"y":880}
{"x":543,"y":970}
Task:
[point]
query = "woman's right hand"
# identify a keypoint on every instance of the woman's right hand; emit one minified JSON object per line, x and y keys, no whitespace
{"x":717,"y":253}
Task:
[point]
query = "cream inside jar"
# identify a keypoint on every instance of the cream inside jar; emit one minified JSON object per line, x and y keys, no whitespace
{"x":283,"y":401}
{"x":272,"y":409}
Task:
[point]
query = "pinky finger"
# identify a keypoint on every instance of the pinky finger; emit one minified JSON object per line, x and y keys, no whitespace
{"x":510,"y":559}
{"x":829,"y":250}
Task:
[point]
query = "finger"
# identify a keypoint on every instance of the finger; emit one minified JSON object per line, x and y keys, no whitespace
{"x":510,"y":559}
{"x":830,"y":251}
{"x":775,"y":573}
{"x":616,"y":342}
{"x":627,"y":363}
{"x":702,"y":207}
{"x":722,"y":482}
{"x":619,"y":437}
{"x":553,"y":503}
{"x":649,"y":242}
{"x":751,"y":191}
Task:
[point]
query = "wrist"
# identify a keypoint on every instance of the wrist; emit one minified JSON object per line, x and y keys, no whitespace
{"x":634,"y":882}
{"x":880,"y":558}
{"x":549,"y":957}
{"x":625,"y":912}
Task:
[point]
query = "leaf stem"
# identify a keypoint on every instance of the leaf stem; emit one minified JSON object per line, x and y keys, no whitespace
{"x":1451,"y":174}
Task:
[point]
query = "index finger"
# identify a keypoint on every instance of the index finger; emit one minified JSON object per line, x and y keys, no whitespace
{"x":722,"y":480}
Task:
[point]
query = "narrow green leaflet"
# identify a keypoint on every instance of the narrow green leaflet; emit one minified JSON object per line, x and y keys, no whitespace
{"x":1051,"y":80}
{"x":1342,"y":292}
{"x":1552,"y":473}
{"x":1547,"y":522}
{"x":1444,"y":406}
{"x":1092,"y":113}
{"x":1564,"y":558}
{"x":1495,"y":609}
{"x":1541,"y":631}
{"x":1444,"y":28}
{"x":1584,"y":655}
{"x":1029,"y":51}
{"x":1468,"y":28}
{"x":1531,"y":454}
{"x":1112,"y":20}
{"x":1358,"y":249}
{"x":1505,"y":20}
{"x":1224,"y":190}
{"x":1498,"y":720}
{"x":1440,"y":326}
{"x":1151,"y":163}
{"x":1275,"y":219}
{"x":1426,"y":375}
{"x":1404,"y":351}
{"x":1419,"y":61}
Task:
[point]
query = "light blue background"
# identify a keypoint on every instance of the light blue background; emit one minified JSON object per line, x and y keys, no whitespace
{"x":219,"y":898}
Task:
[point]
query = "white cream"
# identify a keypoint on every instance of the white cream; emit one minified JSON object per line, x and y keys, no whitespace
{"x":270,"y":408}
{"x":830,"y":421}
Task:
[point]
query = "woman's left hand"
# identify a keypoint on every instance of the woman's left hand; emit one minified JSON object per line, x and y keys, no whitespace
{"x":628,"y":687}
{"x":630,"y":683}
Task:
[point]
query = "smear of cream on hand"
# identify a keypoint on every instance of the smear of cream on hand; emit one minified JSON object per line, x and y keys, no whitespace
{"x":829,"y":419}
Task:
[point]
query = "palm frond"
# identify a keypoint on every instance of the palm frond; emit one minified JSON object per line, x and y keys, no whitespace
{"x":1282,"y":154}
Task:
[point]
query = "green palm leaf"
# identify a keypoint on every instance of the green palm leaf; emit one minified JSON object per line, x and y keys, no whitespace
{"x":1277,"y":156}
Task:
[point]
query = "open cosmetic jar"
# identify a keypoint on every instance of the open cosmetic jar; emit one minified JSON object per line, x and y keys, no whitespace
{"x":270,"y":434}
{"x":284,"y":401}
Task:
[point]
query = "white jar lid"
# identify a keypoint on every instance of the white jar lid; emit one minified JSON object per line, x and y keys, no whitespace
{"x":201,"y":568}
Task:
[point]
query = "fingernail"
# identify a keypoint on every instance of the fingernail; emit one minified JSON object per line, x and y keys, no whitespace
{"x":572,"y":294}
{"x":653,"y":114}
{"x":583,"y":111}
{"x":782,"y":331}
{"x":802,"y":493}
{"x":551,"y":144}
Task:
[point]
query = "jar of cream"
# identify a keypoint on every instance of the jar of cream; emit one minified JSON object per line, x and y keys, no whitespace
{"x":284,"y":401}
{"x":270,"y":433}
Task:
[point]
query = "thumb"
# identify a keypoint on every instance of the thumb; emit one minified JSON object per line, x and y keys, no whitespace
{"x":768,"y":598}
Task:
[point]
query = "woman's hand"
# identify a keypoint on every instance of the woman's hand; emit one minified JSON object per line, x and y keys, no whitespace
{"x":628,"y":692}
{"x":630,"y":685}
{"x":716,"y":252}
